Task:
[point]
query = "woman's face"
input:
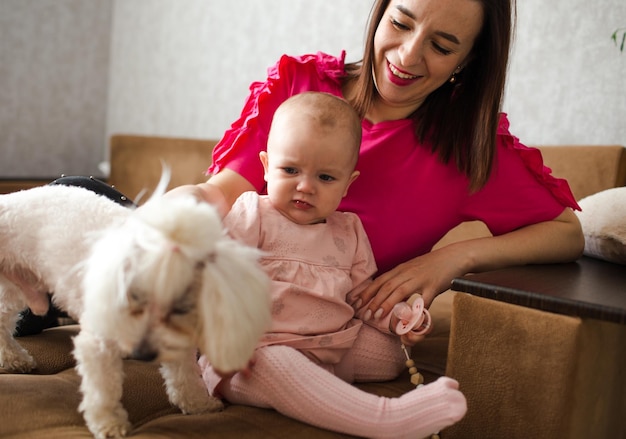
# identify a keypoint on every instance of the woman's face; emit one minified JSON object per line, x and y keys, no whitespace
{"x":418,"y":45}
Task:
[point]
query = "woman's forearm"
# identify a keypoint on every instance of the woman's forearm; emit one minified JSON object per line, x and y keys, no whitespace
{"x":221,"y":190}
{"x":559,"y":240}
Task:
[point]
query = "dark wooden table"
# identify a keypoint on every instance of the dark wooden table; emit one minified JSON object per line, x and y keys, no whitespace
{"x":544,"y":346}
{"x":587,"y":288}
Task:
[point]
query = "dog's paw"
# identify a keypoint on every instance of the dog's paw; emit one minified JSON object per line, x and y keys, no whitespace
{"x":196,"y":406}
{"x":116,"y":431}
{"x":110,"y":425}
{"x":16,"y":359}
{"x":193,"y":400}
{"x":190,"y":395}
{"x":105,"y":421}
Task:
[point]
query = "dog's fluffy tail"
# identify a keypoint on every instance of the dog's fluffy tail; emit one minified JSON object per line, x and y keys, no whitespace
{"x":234,"y":306}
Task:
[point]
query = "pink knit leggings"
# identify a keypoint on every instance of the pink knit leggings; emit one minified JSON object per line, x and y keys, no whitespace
{"x":286,"y":380}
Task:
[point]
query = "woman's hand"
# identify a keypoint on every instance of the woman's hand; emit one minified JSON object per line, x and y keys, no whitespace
{"x":428,"y":275}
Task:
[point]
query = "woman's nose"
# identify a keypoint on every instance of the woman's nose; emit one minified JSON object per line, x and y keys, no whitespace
{"x":411,"y":50}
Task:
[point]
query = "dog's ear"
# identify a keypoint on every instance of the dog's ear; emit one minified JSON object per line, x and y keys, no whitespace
{"x":234,"y":305}
{"x":106,"y":279}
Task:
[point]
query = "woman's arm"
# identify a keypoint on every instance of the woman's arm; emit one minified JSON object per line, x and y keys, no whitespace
{"x":221,"y":190}
{"x":559,"y":240}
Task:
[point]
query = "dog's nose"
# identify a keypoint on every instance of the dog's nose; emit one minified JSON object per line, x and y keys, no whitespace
{"x":144,"y":352}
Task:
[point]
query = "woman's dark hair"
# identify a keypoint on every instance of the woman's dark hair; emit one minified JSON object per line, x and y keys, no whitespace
{"x":459,"y":119}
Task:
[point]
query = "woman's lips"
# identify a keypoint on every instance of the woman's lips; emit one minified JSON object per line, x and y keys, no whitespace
{"x":398,"y":76}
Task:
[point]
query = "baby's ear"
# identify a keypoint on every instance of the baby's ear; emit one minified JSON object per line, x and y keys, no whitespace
{"x":264,"y":161}
{"x":353,"y":177}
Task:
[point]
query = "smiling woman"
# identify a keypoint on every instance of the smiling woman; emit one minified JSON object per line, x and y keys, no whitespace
{"x":444,"y":47}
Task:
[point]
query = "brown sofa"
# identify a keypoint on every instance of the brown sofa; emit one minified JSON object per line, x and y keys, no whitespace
{"x":44,"y":403}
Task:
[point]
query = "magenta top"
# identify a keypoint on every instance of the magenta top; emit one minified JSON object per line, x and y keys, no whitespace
{"x":406,"y":198}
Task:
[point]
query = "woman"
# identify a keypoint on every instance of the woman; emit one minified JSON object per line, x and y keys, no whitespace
{"x":436,"y":69}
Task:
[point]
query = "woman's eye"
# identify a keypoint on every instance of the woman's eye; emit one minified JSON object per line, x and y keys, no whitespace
{"x":441,"y":49}
{"x":395,"y":23}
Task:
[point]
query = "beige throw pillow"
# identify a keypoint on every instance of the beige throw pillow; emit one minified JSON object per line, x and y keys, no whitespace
{"x":603,"y":219}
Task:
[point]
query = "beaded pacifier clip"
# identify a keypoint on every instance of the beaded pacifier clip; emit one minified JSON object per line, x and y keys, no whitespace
{"x":413,"y":316}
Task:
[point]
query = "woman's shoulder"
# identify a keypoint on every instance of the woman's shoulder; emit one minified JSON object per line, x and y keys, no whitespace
{"x":326,"y":63}
{"x":511,"y":149}
{"x":319,"y":65}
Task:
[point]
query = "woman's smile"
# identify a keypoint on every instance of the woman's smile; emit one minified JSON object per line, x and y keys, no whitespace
{"x":399,"y":77}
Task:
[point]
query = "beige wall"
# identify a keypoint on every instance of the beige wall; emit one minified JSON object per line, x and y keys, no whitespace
{"x":80,"y":71}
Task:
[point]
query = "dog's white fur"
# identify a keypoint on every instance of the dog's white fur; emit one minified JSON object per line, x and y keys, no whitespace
{"x":158,"y":282}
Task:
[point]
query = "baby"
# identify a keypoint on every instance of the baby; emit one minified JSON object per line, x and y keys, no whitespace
{"x":319,"y":260}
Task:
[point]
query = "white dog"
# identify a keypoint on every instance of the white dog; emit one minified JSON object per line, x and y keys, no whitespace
{"x":156,"y":282}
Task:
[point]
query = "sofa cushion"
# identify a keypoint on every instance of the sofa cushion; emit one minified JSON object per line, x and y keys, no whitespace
{"x":588,"y":168}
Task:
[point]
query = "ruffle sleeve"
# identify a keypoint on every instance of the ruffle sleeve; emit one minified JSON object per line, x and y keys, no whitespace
{"x":240,"y":146}
{"x":533,"y":160}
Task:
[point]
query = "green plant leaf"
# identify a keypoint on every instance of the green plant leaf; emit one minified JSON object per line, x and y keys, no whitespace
{"x":614,"y":37}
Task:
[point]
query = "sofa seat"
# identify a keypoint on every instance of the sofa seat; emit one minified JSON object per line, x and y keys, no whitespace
{"x":44,"y":404}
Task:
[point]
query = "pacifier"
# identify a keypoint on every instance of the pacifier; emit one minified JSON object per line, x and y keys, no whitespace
{"x":412,"y":317}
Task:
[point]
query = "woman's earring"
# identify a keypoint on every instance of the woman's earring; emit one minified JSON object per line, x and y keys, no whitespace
{"x":453,"y":77}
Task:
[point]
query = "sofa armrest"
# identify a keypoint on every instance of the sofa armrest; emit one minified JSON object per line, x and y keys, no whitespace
{"x":588,"y":169}
{"x":137,"y":162}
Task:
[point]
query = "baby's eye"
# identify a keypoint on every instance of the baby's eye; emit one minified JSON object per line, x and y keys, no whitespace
{"x":289,"y":170}
{"x":326,"y":177}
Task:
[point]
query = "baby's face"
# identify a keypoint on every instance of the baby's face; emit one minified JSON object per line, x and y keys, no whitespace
{"x":308,"y":171}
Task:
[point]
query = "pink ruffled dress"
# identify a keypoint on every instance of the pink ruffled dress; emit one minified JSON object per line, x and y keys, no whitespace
{"x":405,"y":197}
{"x":313,"y":269}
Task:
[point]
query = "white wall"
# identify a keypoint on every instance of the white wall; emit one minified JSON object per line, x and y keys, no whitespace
{"x":567,"y":81}
{"x":54,"y":58}
{"x":182,"y":68}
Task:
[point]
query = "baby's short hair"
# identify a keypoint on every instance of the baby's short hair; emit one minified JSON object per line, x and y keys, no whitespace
{"x":326,"y":109}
